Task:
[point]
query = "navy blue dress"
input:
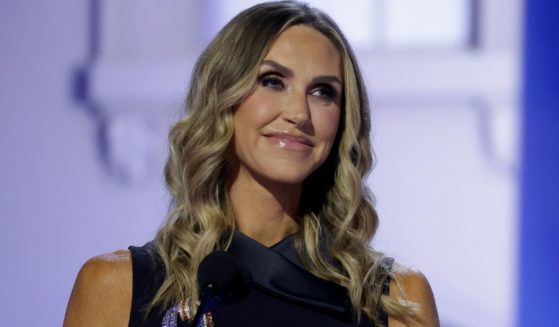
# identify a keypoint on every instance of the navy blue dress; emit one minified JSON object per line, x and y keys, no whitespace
{"x":283,"y":292}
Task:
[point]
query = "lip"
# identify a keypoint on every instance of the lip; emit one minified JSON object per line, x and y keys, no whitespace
{"x":289,"y":141}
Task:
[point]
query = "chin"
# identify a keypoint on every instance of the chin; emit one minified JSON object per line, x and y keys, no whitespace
{"x":287,"y":175}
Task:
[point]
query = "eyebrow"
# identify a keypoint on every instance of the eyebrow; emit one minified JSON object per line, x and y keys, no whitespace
{"x":289,"y":73}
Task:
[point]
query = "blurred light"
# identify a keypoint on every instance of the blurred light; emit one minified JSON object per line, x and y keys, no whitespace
{"x":427,"y":23}
{"x":383,"y":23}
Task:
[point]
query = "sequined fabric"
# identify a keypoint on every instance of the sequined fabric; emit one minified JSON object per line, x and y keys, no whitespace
{"x":183,"y":310}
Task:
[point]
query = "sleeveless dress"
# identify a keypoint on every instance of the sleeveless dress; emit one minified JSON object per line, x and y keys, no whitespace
{"x":283,"y":292}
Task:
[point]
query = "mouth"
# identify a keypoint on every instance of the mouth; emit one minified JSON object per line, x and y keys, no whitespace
{"x":289,"y":141}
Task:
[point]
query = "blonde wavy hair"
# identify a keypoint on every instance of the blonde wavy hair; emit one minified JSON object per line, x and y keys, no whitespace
{"x":337,"y":221}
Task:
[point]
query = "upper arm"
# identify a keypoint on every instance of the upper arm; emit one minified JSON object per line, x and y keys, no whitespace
{"x":102,"y":294}
{"x":412,"y":285}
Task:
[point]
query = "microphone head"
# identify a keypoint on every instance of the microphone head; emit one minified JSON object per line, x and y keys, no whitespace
{"x":220,"y":274}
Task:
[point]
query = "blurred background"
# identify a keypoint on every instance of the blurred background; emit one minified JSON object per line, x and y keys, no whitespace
{"x":465,"y":133}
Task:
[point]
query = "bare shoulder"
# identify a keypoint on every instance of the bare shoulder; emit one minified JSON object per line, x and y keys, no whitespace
{"x":102,"y":293}
{"x":411,"y":284}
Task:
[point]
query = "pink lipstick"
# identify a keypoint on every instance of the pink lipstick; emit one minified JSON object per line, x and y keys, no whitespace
{"x":290,"y":142}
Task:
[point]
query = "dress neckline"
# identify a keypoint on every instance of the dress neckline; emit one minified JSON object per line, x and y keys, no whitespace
{"x":278,"y":271}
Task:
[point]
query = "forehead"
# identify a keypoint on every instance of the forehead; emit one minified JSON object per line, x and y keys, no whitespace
{"x":301,"y":46}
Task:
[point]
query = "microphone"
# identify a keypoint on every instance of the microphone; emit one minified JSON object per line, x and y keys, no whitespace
{"x":221,"y":281}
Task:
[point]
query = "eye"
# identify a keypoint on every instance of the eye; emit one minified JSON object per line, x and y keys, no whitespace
{"x":272,"y":81}
{"x":325,"y":91}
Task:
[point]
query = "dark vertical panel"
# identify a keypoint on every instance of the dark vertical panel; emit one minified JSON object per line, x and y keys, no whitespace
{"x":539,"y":270}
{"x":474,"y":40}
{"x":94,"y":27}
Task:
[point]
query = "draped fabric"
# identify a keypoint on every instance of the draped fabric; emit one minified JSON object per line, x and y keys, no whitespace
{"x":284,"y":293}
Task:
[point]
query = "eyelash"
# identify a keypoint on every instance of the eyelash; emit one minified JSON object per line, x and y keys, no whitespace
{"x":274,"y":82}
{"x":328,"y":92}
{"x":267,"y":80}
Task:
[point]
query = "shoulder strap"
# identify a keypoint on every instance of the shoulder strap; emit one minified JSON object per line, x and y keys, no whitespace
{"x":148,"y":273}
{"x":386,"y":264}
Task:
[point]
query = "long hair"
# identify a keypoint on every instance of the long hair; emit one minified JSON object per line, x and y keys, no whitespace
{"x":337,"y":221}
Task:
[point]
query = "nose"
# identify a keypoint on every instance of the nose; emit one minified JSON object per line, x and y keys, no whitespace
{"x":297,"y":111}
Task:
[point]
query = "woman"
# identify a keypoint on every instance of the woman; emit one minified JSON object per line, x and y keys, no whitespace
{"x":268,"y":164}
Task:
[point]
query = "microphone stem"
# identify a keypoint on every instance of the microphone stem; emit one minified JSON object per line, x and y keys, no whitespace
{"x":207,"y":303}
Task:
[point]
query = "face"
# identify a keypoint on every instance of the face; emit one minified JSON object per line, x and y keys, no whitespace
{"x":285,"y":129}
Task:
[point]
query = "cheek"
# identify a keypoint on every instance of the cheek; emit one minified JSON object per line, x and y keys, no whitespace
{"x":327,"y":123}
{"x":257,"y":110}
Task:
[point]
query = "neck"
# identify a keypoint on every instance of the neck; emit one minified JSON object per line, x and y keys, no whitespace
{"x":265,"y":211}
